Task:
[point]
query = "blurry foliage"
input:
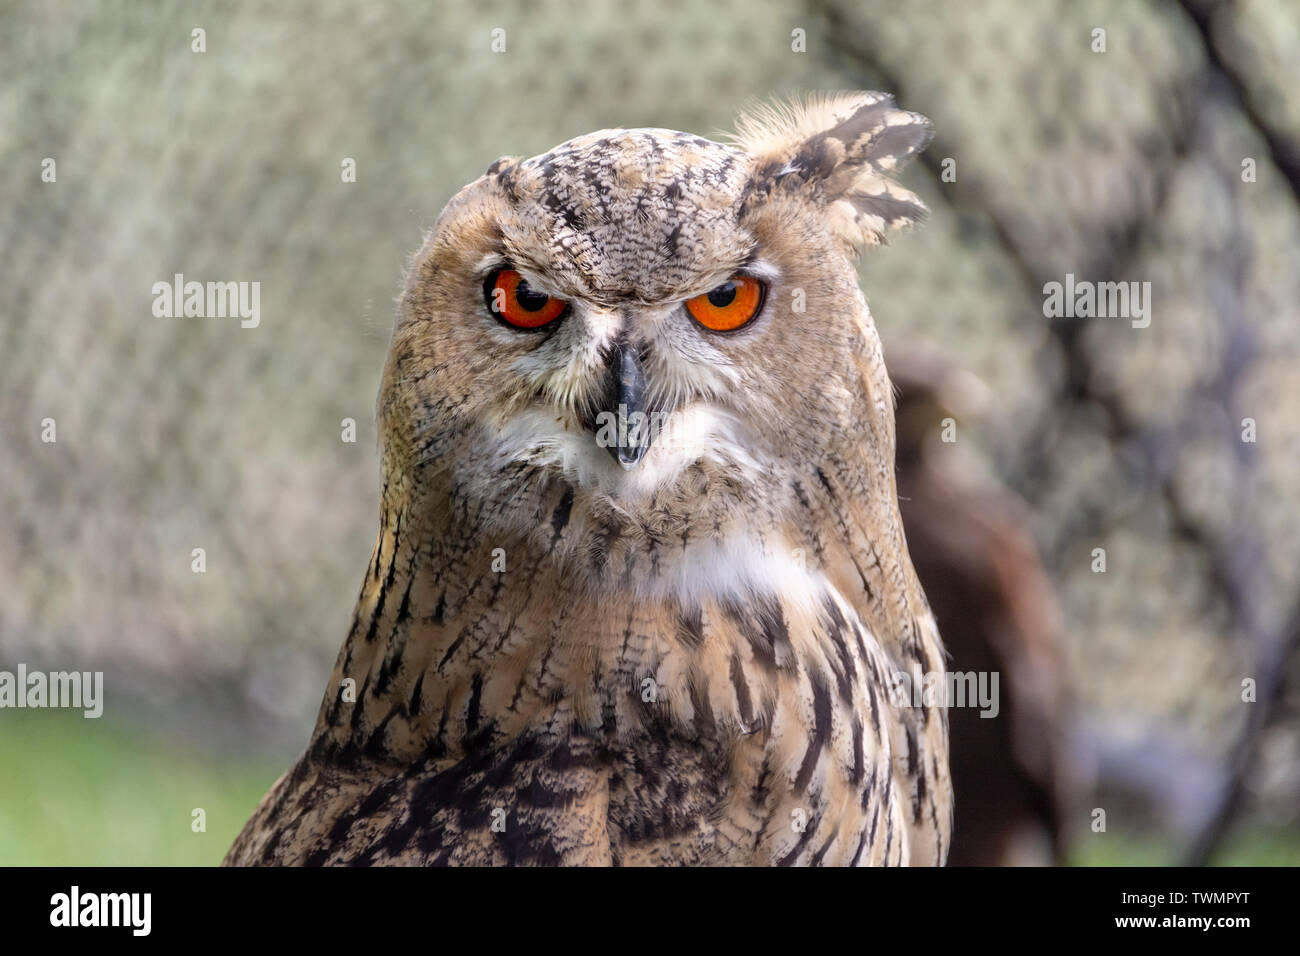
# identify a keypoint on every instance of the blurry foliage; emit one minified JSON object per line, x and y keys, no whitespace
{"x":1123,"y":165}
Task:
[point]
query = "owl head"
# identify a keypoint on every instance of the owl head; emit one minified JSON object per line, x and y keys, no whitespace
{"x":659,"y":326}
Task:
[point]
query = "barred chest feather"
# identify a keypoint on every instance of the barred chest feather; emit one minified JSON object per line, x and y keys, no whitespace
{"x":732,"y":708}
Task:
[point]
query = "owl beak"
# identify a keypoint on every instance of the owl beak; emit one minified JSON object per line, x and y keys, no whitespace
{"x":624,"y":426}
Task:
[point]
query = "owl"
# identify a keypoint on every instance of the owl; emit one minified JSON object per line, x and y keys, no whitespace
{"x":640,"y":593}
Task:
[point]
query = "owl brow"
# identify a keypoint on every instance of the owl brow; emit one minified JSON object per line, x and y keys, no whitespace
{"x":761,"y":268}
{"x":493,"y":260}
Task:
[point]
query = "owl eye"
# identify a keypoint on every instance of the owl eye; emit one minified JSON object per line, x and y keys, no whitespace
{"x":730,"y":305}
{"x":511,"y":299}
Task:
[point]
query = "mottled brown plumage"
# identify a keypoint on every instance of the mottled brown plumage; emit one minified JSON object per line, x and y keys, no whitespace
{"x":561,"y":660}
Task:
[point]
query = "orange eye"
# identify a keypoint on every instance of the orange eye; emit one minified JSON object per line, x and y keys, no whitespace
{"x":510,"y":299}
{"x":730,"y":305}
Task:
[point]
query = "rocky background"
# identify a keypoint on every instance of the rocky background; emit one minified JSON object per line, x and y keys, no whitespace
{"x":1164,"y":150}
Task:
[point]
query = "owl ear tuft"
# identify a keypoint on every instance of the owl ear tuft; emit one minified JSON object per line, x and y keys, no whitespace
{"x":841,"y":147}
{"x":501,"y":165}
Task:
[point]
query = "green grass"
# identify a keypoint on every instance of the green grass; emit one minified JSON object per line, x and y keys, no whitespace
{"x":84,"y":792}
{"x":1248,"y":846}
{"x":80,"y":792}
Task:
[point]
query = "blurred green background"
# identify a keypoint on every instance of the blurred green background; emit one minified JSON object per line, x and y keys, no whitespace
{"x":176,"y":434}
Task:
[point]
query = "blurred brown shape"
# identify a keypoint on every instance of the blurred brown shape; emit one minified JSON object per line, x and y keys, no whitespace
{"x":997,"y":613}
